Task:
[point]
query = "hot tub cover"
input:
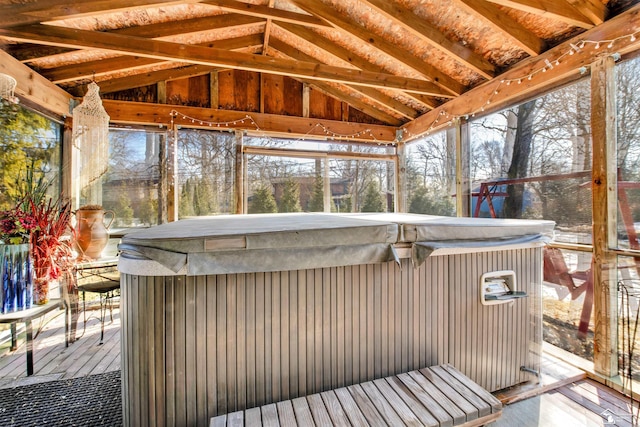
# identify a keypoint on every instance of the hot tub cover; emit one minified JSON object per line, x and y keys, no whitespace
{"x":277,"y":242}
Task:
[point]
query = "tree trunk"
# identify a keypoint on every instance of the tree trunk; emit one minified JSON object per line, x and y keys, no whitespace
{"x":514,"y":203}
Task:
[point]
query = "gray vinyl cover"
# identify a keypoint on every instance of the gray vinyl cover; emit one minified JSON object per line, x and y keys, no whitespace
{"x":278,"y":242}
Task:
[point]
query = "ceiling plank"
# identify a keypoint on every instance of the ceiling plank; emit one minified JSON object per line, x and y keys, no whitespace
{"x":370,"y":93}
{"x":138,"y":46}
{"x":326,"y":12}
{"x":101,"y":67}
{"x":264,"y":12}
{"x":476,"y":100}
{"x":34,"y":87}
{"x":503,"y":23}
{"x":273,"y":124}
{"x":344,"y":54}
{"x":426,"y":32}
{"x":595,"y":10}
{"x":14,"y":14}
{"x":553,"y":9}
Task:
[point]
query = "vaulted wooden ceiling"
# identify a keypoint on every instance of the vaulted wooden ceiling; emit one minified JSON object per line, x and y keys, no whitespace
{"x":398,"y":61}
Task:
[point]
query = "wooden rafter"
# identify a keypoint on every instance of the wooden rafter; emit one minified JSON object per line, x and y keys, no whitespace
{"x":129,"y":45}
{"x":554,"y":9}
{"x":503,"y":23}
{"x":343,"y":54}
{"x":405,"y":18}
{"x":320,"y":9}
{"x":85,"y":70}
{"x":595,"y":10}
{"x":264,"y":12}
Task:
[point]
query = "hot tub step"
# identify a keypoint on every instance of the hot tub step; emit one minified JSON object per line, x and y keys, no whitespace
{"x":436,"y":396}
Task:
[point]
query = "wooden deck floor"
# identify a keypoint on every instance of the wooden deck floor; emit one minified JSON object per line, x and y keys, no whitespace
{"x":564,"y":397}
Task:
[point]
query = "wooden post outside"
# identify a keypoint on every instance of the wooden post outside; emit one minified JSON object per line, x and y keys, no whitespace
{"x":400,"y":192}
{"x":66,"y":170}
{"x":239,"y":168}
{"x":172,"y":176}
{"x":604,"y":188}
{"x":463,"y":169}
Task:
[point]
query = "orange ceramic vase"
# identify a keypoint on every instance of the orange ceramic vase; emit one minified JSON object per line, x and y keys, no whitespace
{"x":92,"y":232}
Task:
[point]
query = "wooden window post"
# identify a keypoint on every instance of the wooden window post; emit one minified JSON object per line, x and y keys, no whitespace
{"x":604,"y":187}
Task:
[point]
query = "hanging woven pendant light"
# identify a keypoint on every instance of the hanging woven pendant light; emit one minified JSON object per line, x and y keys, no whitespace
{"x":91,"y":137}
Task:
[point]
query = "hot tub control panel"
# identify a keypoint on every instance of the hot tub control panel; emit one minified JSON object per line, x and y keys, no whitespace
{"x":499,"y":287}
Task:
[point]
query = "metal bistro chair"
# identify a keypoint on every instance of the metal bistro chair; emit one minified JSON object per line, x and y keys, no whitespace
{"x":100,"y":277}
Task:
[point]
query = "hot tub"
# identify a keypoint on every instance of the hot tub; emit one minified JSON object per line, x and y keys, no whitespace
{"x":231,"y":312}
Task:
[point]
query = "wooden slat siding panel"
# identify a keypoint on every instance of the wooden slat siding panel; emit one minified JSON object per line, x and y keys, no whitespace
{"x":451,"y":392}
{"x":231,"y":350}
{"x":348,"y":326}
{"x":469,"y":399}
{"x":221,"y":339}
{"x":438,"y":404}
{"x":249,"y":331}
{"x":252,"y":417}
{"x":355,"y":415}
{"x":340,"y":326}
{"x":474,"y":312}
{"x":260,"y":350}
{"x":212,"y":343}
{"x":294,"y":335}
{"x":412,"y":402}
{"x":302,"y":333}
{"x":483,"y":394}
{"x":310,"y":340}
{"x":268,"y":337}
{"x":357,"y":314}
{"x":384,"y":327}
{"x":126,"y":283}
{"x":403,"y":345}
{"x":179,"y":330}
{"x":331,"y":402}
{"x":170,"y":369}
{"x":372,"y":313}
{"x":381,"y":404}
{"x":276,"y":348}
{"x":400,"y":407}
{"x":326,"y":332}
{"x":241,"y":342}
{"x":318,"y":410}
{"x":368,"y":409}
{"x":190,"y":356}
{"x":135,"y":349}
{"x":378,"y":320}
{"x":318,"y":334}
{"x":284,"y":338}
{"x":150,"y":350}
{"x":302,"y":411}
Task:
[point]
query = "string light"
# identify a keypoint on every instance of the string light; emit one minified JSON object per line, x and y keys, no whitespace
{"x":548,"y":65}
{"x":367,"y":133}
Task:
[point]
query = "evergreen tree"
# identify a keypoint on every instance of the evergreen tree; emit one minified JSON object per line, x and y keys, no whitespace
{"x":123,"y":209}
{"x":290,"y":201}
{"x":316,"y":202}
{"x":423,"y":202}
{"x":372,"y":200}
{"x":186,"y":200}
{"x":263,"y":201}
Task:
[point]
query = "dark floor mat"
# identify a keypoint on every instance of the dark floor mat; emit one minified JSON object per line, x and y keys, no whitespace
{"x":94,"y":400}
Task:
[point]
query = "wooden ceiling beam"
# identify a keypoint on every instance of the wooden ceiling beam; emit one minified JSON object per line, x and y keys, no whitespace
{"x":138,"y":46}
{"x":595,"y":10}
{"x":101,"y":67}
{"x":553,"y":9}
{"x":426,"y":32}
{"x":346,"y":55}
{"x":497,"y":94}
{"x":143,"y":113}
{"x":324,"y":11}
{"x":14,"y":14}
{"x":264,"y":12}
{"x":503,"y":23}
{"x":370,"y":93}
{"x":34,"y":87}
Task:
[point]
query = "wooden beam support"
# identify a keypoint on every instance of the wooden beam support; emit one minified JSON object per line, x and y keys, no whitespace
{"x":286,"y":126}
{"x":554,"y":9}
{"x":318,"y":8}
{"x":595,"y":10}
{"x":129,"y":45}
{"x":604,"y":208}
{"x":34,"y":87}
{"x":265,"y":12}
{"x":426,"y":32}
{"x":504,"y":89}
{"x":504,"y":24}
